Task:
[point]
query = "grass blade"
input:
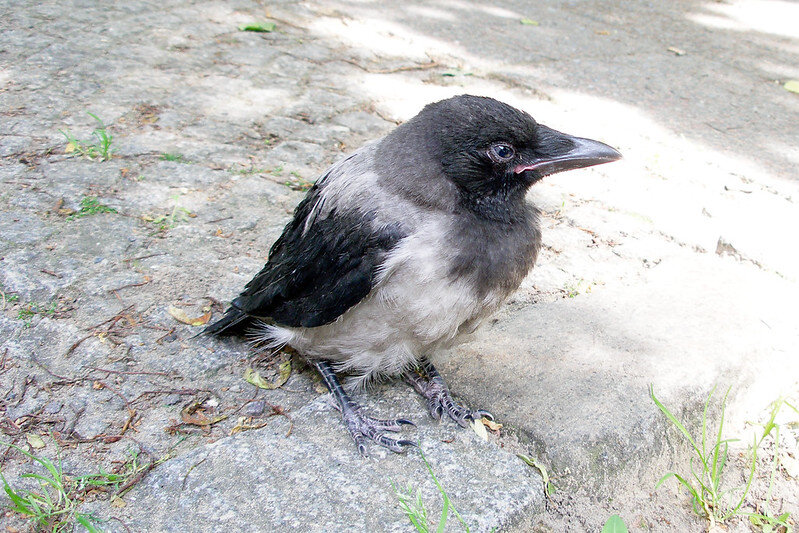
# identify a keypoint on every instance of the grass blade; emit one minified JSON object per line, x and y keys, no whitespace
{"x":673,"y":420}
{"x":85,"y":522}
{"x":718,"y":460}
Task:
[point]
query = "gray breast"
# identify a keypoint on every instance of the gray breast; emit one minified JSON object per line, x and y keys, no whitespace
{"x":493,"y":255}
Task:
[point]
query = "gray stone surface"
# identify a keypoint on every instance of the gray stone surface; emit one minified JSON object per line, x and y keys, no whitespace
{"x":300,"y":474}
{"x":675,"y":267}
{"x":572,"y":376}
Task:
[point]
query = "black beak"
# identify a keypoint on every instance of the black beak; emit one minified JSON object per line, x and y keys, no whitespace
{"x":559,"y":152}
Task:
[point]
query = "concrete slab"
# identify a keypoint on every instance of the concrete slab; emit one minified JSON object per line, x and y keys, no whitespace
{"x":301,"y":475}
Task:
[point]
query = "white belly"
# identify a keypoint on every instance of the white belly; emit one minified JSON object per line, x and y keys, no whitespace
{"x":414,"y":309}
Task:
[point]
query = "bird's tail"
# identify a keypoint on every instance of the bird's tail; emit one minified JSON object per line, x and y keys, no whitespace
{"x":234,"y":321}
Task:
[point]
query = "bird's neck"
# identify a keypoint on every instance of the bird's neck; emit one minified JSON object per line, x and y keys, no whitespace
{"x":506,"y":206}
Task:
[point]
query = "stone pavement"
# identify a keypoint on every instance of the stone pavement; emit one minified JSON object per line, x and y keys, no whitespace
{"x":676,"y":267}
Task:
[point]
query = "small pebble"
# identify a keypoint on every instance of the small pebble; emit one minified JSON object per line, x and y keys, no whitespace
{"x":255,"y":408}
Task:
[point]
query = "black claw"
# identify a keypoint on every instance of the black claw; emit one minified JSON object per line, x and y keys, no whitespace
{"x":392,"y":444}
{"x":362,"y":449}
{"x":408,"y":443}
{"x":405,"y":422}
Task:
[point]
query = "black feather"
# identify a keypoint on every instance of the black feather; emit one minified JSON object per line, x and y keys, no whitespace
{"x":313,"y":275}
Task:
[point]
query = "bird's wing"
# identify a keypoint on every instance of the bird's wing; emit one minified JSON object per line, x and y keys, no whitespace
{"x":325,"y":262}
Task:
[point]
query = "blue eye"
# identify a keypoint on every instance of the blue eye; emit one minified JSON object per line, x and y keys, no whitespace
{"x":501,"y":152}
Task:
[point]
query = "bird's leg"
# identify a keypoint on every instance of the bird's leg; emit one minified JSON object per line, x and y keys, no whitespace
{"x":429,"y":383}
{"x":361,"y":426}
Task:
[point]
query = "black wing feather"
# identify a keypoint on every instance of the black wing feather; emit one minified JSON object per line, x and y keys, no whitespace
{"x":313,"y":276}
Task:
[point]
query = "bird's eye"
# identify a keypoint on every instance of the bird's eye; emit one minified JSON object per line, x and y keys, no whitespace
{"x":501,"y":152}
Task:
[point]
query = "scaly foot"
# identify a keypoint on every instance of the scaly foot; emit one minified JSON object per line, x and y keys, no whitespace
{"x":361,"y":426}
{"x":429,"y":383}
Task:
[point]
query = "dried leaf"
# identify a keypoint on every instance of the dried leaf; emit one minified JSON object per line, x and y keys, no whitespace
{"x":676,"y":51}
{"x":792,"y":86}
{"x":480,"y":429}
{"x":181,"y":316}
{"x":117,"y":502}
{"x":529,"y":22}
{"x":71,"y":147}
{"x":254,"y":377}
{"x":35,"y":441}
{"x":195,"y":415}
{"x":549,"y":488}
{"x":243,"y":424}
{"x":493,"y":426}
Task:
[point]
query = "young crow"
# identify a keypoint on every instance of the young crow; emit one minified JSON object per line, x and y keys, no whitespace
{"x":404,"y":247}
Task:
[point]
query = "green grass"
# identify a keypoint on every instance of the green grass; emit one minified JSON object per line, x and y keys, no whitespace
{"x":262,"y":27}
{"x":173,"y":218}
{"x":574,"y":288}
{"x":26,"y":313}
{"x":6,"y":298}
{"x":99,"y":149}
{"x":51,"y":507}
{"x":704,"y":483}
{"x":173,"y":157}
{"x":298,"y":183}
{"x":769,"y":521}
{"x":710,"y":496}
{"x":54,"y":506}
{"x":248,"y":171}
{"x":411,"y":502}
{"x":31,"y":309}
{"x":114,"y":480}
{"x":90,"y":205}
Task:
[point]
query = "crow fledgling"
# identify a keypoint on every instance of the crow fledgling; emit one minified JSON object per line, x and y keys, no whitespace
{"x":404,"y":247}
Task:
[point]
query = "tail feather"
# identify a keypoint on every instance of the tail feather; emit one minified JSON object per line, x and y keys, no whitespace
{"x":234,"y":321}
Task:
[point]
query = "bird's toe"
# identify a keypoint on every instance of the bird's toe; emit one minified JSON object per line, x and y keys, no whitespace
{"x":364,"y":428}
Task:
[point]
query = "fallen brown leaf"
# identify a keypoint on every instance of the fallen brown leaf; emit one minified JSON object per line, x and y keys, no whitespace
{"x":254,"y":377}
{"x":493,"y":426}
{"x":181,"y":316}
{"x":117,"y":502}
{"x":194,"y":414}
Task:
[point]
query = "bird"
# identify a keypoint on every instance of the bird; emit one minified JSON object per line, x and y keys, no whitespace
{"x":403,"y":248}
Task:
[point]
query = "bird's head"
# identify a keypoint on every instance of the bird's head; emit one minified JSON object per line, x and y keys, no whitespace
{"x":488,"y":147}
{"x":493,"y":152}
{"x":487,"y":152}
